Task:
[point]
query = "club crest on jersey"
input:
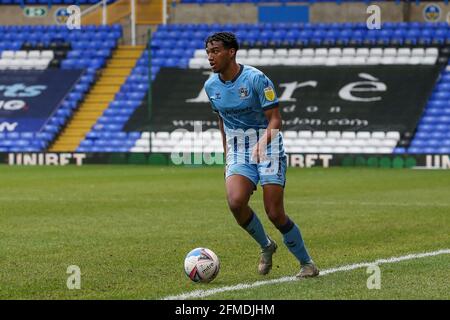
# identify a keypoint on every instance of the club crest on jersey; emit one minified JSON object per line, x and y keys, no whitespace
{"x":243,"y":92}
{"x":269,"y":93}
{"x":216,"y":96}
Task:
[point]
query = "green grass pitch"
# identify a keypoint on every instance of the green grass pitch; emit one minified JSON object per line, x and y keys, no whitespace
{"x":129,"y":228}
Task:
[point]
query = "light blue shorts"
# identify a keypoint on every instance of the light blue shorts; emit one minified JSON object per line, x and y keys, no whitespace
{"x":268,"y":172}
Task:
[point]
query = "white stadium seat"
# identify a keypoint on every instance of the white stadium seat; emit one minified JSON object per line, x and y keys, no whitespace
{"x":281,"y":53}
{"x":254,"y":53}
{"x":355,"y":150}
{"x":346,"y":60}
{"x":34,"y":54}
{"x":48,"y":54}
{"x":334,"y":134}
{"x":372,"y":60}
{"x":387,"y":60}
{"x":418,"y":52}
{"x":390,"y":52}
{"x":17,"y":64}
{"x":415,"y":60}
{"x":362,"y":52}
{"x":305,"y":134}
{"x":200,"y":53}
{"x":376,"y":52}
{"x":359,"y":60}
{"x":369,"y":150}
{"x":393,"y":135}
{"x":363,"y":135}
{"x":404,"y":52}
{"x":21,"y":55}
{"x":291,"y":61}
{"x":319,"y":134}
{"x":349,"y":52}
{"x":4,"y":64}
{"x":8,"y":54}
{"x":319,"y":61}
{"x":332,"y":61}
{"x":267,"y":53}
{"x":348,"y":135}
{"x":378,"y":135}
{"x":290,"y":134}
{"x":305,"y":61}
{"x":29,"y":64}
{"x":146,"y":135}
{"x":321,"y":52}
{"x":295,"y":52}
{"x":402,"y":60}
{"x":335,"y":52}
{"x":340,"y":149}
{"x":308,"y":52}
{"x":429,"y":60}
{"x":432,"y":52}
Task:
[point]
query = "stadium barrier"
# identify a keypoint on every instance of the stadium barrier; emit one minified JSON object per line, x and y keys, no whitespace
{"x":414,"y":161}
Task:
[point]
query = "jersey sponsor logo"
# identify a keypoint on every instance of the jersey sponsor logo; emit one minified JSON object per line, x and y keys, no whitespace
{"x":243,"y":92}
{"x":235,"y":111}
{"x":216,"y":96}
{"x":269,"y":93}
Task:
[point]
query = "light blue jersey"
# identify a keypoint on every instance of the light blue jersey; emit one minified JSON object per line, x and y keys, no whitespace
{"x":241,"y":103}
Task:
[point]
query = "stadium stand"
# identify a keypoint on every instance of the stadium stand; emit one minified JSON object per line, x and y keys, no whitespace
{"x":107,"y":134}
{"x":25,"y":48}
{"x":51,"y":2}
{"x":274,"y":1}
{"x":93,"y":115}
{"x":321,"y":45}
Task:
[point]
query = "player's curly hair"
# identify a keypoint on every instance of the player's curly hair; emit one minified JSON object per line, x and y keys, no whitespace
{"x":228,"y":39}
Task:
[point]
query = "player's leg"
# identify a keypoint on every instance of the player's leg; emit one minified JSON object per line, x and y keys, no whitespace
{"x":240,"y":182}
{"x":273,"y":195}
{"x":273,"y":179}
{"x":239,"y":189}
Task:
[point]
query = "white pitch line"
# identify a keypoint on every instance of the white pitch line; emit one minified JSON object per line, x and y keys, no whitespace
{"x":242,"y":286}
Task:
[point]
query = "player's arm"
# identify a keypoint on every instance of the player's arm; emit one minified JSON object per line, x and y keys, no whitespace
{"x":274,"y":117}
{"x":224,"y":141}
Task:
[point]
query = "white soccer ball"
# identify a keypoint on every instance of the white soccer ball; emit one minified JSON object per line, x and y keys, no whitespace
{"x":201,"y":265}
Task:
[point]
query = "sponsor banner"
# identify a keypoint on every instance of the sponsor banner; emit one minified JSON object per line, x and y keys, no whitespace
{"x":41,"y":159}
{"x":29,"y":98}
{"x":300,"y":160}
{"x":342,"y":98}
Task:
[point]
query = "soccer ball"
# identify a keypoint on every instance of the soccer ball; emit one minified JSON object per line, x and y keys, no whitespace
{"x":201,"y":265}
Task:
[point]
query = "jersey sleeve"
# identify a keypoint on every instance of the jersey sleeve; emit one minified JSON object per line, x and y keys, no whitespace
{"x":265,"y":91}
{"x":213,"y":107}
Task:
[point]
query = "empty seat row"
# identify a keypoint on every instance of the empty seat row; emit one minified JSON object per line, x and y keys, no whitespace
{"x":302,"y":26}
{"x":24,"y":64}
{"x":308,"y":149}
{"x":289,"y":134}
{"x":198,"y":63}
{"x":46,"y":2}
{"x":424,"y":150}
{"x":330,"y":52}
{"x":22,"y":54}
